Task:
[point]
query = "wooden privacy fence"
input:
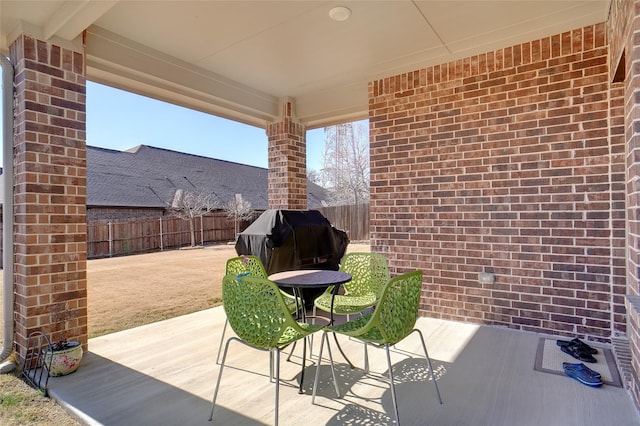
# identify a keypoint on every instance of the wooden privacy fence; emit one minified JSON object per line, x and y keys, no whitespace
{"x":121,"y":237}
{"x":354,"y":219}
{"x":127,"y":236}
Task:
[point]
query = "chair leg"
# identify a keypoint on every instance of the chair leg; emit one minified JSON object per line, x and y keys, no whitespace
{"x":310,"y":337}
{"x":426,"y":355}
{"x":224,"y":331}
{"x":393,"y":387}
{"x":215,"y":392}
{"x":304,"y":358}
{"x":333,"y":372}
{"x":277,"y":384}
{"x":315,"y":380}
{"x":271,"y":365}
{"x":366,"y":358}
{"x":293,"y":347}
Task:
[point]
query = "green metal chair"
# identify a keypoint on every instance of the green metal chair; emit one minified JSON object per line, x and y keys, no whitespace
{"x":393,"y":319}
{"x":254,"y":267}
{"x":261,"y":319}
{"x":369,"y":273}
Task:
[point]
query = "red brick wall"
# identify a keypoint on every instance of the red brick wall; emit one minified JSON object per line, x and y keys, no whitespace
{"x":50,"y":192}
{"x":618,"y":24}
{"x":623,"y":29}
{"x":504,"y":163}
{"x":287,"y":162}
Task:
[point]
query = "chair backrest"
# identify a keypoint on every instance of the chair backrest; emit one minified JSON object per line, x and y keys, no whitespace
{"x":255,"y":310}
{"x":397,"y":310}
{"x":243,"y":264}
{"x":369,"y":273}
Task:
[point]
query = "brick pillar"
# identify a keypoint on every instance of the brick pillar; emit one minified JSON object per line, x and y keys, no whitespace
{"x":287,"y":161}
{"x":50,"y":192}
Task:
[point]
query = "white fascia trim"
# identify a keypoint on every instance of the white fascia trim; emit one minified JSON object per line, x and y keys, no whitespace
{"x":112,"y":59}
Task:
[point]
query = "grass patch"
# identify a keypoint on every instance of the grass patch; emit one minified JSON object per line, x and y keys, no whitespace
{"x":137,"y":318}
{"x":21,"y":404}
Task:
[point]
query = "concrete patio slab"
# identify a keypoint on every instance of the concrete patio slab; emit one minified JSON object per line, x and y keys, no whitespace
{"x":165,"y":373}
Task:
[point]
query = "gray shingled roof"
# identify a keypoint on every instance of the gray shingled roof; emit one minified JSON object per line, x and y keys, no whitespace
{"x":146,"y":176}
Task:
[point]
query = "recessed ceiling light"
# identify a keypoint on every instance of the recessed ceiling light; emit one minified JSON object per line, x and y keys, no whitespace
{"x":340,"y":13}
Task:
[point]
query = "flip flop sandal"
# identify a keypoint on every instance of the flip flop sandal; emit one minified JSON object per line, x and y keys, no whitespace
{"x":583,"y":376}
{"x":583,"y":367}
{"x":577,"y":353}
{"x":578,"y":343}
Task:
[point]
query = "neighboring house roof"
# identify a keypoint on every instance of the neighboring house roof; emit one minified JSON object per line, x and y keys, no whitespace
{"x":146,"y":176}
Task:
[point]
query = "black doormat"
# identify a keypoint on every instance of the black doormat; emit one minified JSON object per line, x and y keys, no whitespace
{"x":549,"y":359}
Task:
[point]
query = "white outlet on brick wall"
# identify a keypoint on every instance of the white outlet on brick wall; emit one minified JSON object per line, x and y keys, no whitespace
{"x":486,"y":278}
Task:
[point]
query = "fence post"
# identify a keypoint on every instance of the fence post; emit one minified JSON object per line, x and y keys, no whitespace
{"x":110,"y":239}
{"x":161,"y":245}
{"x":201,"y":232}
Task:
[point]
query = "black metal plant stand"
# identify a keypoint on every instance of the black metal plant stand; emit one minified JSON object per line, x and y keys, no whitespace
{"x":37,"y":361}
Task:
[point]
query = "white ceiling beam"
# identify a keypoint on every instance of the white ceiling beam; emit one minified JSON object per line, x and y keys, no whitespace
{"x":175,"y":80}
{"x":73,"y":17}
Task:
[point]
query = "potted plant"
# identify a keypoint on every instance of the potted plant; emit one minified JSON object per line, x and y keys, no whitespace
{"x":63,"y":357}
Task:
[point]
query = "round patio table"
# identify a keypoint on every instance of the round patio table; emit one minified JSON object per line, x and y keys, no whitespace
{"x":301,"y":279}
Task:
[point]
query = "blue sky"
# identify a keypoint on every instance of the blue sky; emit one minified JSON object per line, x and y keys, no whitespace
{"x":121,"y":120}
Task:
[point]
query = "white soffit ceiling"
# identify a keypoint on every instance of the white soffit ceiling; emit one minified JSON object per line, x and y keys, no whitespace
{"x":239,"y":58}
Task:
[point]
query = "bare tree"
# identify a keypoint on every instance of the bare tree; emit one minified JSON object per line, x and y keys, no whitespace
{"x":238,"y":209}
{"x":345,"y":172}
{"x":314,"y":176}
{"x":189,"y":205}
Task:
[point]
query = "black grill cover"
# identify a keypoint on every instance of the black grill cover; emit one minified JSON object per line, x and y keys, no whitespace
{"x":293,"y":239}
